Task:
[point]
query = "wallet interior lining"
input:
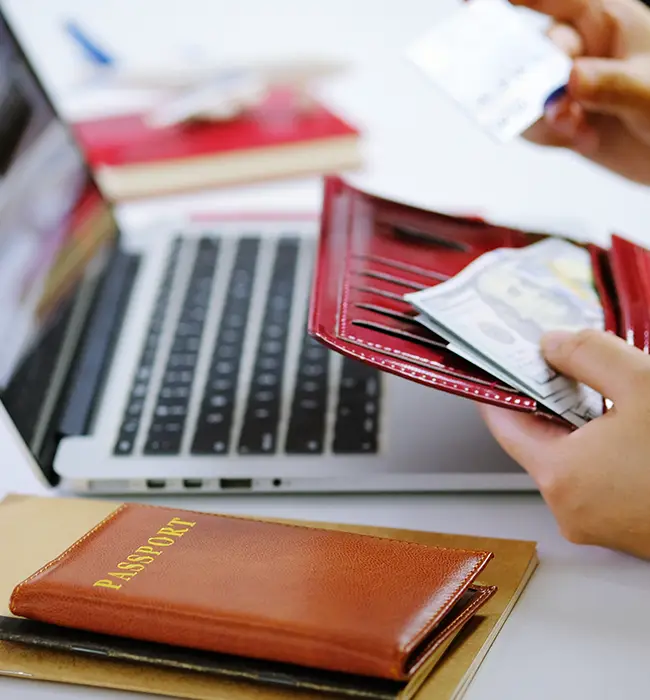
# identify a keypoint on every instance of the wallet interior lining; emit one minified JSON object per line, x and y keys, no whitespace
{"x":382,"y":268}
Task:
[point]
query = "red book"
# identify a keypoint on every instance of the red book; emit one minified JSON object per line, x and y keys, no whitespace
{"x":132,"y":159}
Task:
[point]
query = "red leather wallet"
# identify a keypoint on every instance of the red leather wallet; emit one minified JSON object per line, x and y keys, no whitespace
{"x":372,"y":251}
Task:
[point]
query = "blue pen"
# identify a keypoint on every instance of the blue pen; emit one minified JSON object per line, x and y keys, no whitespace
{"x":94,"y":53}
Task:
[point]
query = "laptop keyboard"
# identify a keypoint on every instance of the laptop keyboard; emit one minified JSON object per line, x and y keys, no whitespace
{"x":265,"y":389}
{"x":259,"y":434}
{"x":212,"y":434}
{"x":142,"y":378}
{"x":170,"y":413}
{"x":309,"y":405}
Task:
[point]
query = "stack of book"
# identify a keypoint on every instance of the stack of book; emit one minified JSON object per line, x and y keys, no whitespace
{"x":278,"y":138}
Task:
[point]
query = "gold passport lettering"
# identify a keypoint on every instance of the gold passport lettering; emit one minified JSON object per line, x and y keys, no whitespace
{"x":145,"y":554}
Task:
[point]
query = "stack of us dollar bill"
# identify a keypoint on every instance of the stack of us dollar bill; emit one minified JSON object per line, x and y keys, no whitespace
{"x":495,"y":311}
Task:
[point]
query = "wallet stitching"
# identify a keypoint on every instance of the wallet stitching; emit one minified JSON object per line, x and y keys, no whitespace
{"x":448,"y":382}
{"x":452,"y":382}
{"x":420,"y":374}
{"x":111,"y":516}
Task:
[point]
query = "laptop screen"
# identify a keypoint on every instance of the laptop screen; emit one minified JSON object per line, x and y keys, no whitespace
{"x":54,"y":230}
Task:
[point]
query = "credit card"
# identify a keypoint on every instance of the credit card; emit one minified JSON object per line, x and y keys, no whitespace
{"x":494,"y":64}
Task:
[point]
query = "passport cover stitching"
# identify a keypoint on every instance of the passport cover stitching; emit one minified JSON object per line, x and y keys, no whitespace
{"x":443,"y":608}
{"x":301,"y":527}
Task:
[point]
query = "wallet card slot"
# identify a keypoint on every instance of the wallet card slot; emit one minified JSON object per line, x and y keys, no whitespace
{"x":401,"y":333}
{"x":428,"y":238}
{"x":357,"y":236}
{"x":379,"y":292}
{"x":390,"y":313}
{"x":405,"y":267}
{"x":384,"y":242}
{"x":368,"y":280}
{"x":384,"y":277}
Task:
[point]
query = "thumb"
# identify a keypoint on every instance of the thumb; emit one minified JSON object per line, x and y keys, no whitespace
{"x":611,"y":86}
{"x":526,"y":438}
{"x":600,"y":360}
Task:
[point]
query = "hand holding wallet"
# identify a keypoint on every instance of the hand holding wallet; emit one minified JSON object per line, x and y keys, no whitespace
{"x":373,"y":251}
{"x":317,"y":598}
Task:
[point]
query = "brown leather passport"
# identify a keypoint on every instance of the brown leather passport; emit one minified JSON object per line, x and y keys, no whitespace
{"x":311,"y":597}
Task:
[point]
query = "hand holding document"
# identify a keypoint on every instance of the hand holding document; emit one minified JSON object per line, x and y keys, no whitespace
{"x":494,"y":63}
{"x":496,"y":310}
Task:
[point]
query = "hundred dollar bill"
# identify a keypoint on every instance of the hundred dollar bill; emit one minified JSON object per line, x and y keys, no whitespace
{"x":458,"y":347}
{"x":496,"y":310}
{"x":578,"y":413}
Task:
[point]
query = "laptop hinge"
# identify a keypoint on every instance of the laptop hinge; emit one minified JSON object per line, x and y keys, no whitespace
{"x":98,"y":345}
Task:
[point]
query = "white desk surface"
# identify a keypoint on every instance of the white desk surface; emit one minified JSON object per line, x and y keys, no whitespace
{"x":582,"y":629}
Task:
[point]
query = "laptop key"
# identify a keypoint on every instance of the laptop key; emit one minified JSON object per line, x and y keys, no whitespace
{"x":356,"y":428}
{"x":213,"y":428}
{"x":306,"y":431}
{"x":133,"y":412}
{"x":260,"y":425}
{"x":170,"y":412}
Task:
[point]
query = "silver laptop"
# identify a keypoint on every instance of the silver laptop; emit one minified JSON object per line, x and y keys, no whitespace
{"x":167,"y":360}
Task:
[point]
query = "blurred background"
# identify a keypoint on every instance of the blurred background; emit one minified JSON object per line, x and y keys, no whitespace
{"x":417,"y":146}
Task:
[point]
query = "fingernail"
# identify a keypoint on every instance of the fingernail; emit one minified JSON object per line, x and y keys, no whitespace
{"x":554,"y":340}
{"x":566,"y":118}
{"x":556,"y":95}
{"x":553,"y":109}
{"x":557,"y":116}
{"x":583,"y":75}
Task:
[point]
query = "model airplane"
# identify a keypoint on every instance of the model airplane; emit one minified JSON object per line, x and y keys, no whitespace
{"x":196,"y":90}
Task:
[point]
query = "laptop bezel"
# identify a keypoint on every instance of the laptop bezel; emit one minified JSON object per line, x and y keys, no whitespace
{"x":48,"y":475}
